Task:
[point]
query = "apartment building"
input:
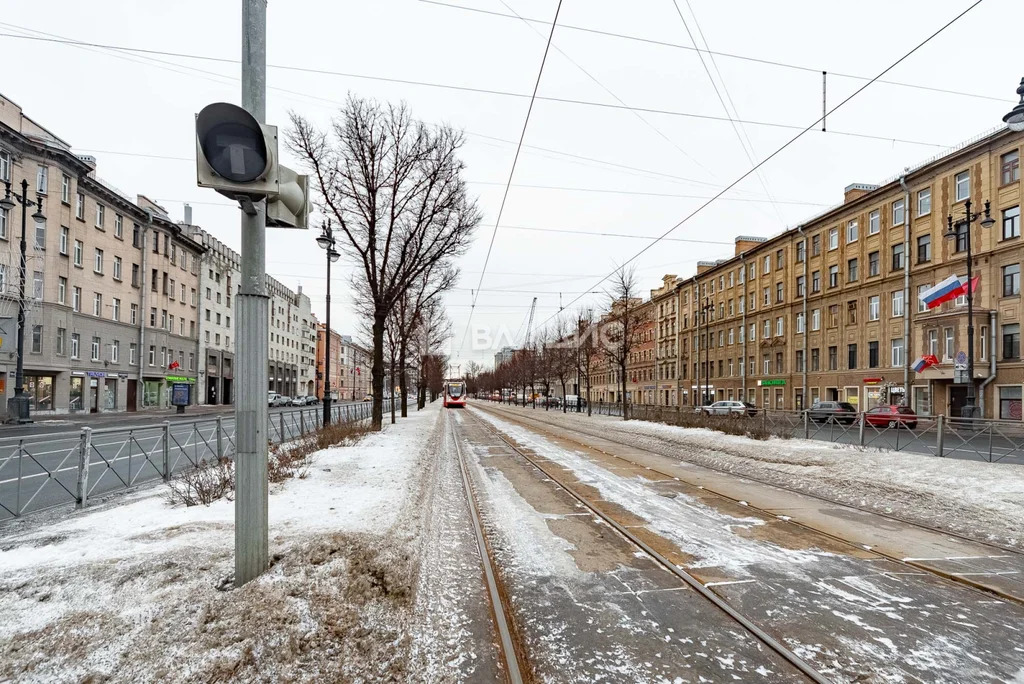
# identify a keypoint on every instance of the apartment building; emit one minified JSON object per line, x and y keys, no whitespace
{"x":333,"y":343}
{"x":87,"y":282}
{"x":356,"y":362}
{"x":830,"y":309}
{"x":640,"y":378}
{"x":665,"y":310}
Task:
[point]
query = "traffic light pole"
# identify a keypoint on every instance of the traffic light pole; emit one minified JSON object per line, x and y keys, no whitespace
{"x":251,"y":535}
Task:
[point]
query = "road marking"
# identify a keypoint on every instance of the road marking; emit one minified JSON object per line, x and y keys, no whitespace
{"x":721,"y":584}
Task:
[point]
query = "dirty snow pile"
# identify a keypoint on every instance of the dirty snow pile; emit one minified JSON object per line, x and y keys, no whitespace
{"x":129,"y":591}
{"x":983,"y":500}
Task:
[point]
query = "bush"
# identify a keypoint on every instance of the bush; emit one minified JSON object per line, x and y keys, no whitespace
{"x":744,"y":426}
{"x":204,"y":484}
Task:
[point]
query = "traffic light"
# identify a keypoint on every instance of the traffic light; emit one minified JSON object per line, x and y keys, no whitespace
{"x":237,"y":156}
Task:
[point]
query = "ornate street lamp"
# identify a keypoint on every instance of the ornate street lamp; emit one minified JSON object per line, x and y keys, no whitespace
{"x":1015,"y":118}
{"x":327,"y":243}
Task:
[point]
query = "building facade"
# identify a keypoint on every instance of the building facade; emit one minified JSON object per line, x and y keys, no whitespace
{"x":356,"y":362}
{"x":337,"y":374}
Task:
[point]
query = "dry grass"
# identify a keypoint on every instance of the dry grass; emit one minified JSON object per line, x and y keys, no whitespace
{"x":744,"y":426}
{"x":210,"y":481}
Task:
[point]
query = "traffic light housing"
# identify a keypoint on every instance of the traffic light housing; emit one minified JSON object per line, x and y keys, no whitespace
{"x":237,"y":156}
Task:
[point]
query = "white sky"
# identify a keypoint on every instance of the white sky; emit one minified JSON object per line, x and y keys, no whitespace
{"x":105,"y":103}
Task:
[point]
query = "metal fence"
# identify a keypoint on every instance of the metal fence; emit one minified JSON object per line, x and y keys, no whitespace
{"x":46,"y":470}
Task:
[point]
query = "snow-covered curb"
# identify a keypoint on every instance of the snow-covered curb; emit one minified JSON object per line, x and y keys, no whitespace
{"x":128,"y":591}
{"x":983,"y":500}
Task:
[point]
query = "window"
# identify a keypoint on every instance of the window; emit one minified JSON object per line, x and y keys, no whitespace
{"x":64,"y":240}
{"x":156,"y":243}
{"x":136,"y":235}
{"x":933,"y":342}
{"x":767,"y":329}
{"x":833,"y":358}
{"x":815,"y":319}
{"x":1011,"y":280}
{"x":897,"y":256}
{"x":767,"y":297}
{"x":872,"y":354}
{"x":851,"y":356}
{"x":97,"y":304}
{"x":95,"y":349}
{"x":1011,"y":222}
{"x":37,"y":339}
{"x":37,"y":284}
{"x":62,"y":336}
{"x":76,"y":299}
{"x":851,"y":312}
{"x":833,"y":315}
{"x":5,"y":165}
{"x":779,"y":295}
{"x":897,"y":303}
{"x":152,"y":317}
{"x":984,"y":342}
{"x":874,"y":222}
{"x":118,"y":226}
{"x":115,"y":352}
{"x":924,"y":202}
{"x":97,"y":266}
{"x":753,"y":332}
{"x":136,"y":274}
{"x":42,"y":174}
{"x":192,"y":296}
{"x":800,"y":322}
{"x":1010,"y":402}
{"x":80,"y":206}
{"x":896,"y":346}
{"x":152,"y":355}
{"x":816,"y":244}
{"x":4,"y":220}
{"x":79,"y":252}
{"x":171,"y":290}
{"x":899,"y":213}
{"x":924,"y":249}
{"x":779,"y":368}
{"x":115,"y":309}
{"x":766,"y":364}
{"x":816,"y":281}
{"x":101,"y":215}
{"x":209,"y":294}
{"x":947,"y":343}
{"x":874,"y":307}
{"x":815,"y":359}
{"x":183,"y":293}
{"x":851,"y":270}
{"x":801,"y":253}
{"x":873,"y":264}
{"x":851,"y":231}
{"x":76,"y":344}
{"x":1009,"y":163}
{"x":133,"y":314}
{"x":833,"y":238}
{"x":117,"y":268}
{"x":780,"y":259}
{"x":753,"y":271}
{"x":62,"y":289}
{"x":40,"y":234}
{"x":961,"y":237}
{"x":801,"y":286}
{"x":192,"y":361}
{"x":163,"y":357}
{"x":963,"y":185}
{"x":1011,"y":341}
{"x":780,"y":326}
{"x":133,"y":354}
{"x":833,"y":275}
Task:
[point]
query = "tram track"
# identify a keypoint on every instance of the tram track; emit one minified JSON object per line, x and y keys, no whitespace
{"x":962,"y":581}
{"x":688,"y":579}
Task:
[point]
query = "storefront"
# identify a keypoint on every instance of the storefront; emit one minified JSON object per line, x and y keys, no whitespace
{"x":773,"y":393}
{"x":39,"y":388}
{"x":171,"y":381}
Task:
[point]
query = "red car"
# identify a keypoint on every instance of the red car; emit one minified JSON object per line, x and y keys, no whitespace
{"x":891,"y":416}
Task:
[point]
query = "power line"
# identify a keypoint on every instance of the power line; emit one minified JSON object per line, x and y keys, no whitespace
{"x":617,"y":235}
{"x":489,"y":91}
{"x":512,"y":171}
{"x":774,"y":154}
{"x":744,"y":58}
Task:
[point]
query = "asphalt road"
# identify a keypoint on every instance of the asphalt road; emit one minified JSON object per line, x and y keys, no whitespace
{"x":39,"y":467}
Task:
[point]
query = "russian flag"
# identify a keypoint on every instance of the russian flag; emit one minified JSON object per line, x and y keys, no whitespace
{"x":924,"y":362}
{"x":949,"y":289}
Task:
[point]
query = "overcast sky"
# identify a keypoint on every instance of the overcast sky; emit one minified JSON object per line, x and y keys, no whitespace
{"x":604,"y":169}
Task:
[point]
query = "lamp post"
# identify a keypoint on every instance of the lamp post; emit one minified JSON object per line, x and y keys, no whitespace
{"x":326,"y":242}
{"x":954,"y":232}
{"x":703,"y":314}
{"x":18,"y":406}
{"x":1015,"y":117}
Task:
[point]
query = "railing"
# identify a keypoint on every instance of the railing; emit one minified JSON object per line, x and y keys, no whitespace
{"x":40,"y":471}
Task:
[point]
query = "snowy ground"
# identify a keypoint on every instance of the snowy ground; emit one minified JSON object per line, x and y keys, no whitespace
{"x":983,"y":500}
{"x":128,"y":591}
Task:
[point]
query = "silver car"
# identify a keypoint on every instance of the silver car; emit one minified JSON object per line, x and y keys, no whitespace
{"x":729,"y":408}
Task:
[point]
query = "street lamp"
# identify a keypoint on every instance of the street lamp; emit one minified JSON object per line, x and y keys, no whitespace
{"x":18,"y":406}
{"x":1015,"y":118}
{"x":704,"y":314}
{"x":954,"y":232}
{"x":327,"y":242}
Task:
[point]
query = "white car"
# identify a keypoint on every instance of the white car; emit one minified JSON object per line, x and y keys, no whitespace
{"x":728,"y":408}
{"x":299,"y":401}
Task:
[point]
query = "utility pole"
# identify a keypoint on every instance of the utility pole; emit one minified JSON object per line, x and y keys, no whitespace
{"x":251,"y":535}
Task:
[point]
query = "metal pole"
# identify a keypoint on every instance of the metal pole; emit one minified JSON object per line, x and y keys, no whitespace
{"x":251,"y":535}
{"x":84,"y":454}
{"x":20,"y":402}
{"x":968,"y":411}
{"x":327,"y":344}
{"x":165,"y":449}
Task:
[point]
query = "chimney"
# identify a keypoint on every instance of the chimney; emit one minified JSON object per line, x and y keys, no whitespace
{"x":91,"y":161}
{"x":745,"y":243}
{"x":703,"y":266}
{"x":188,"y":214}
{"x":855,"y":191}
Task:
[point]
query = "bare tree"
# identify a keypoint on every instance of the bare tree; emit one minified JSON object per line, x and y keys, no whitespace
{"x":433,"y":330}
{"x":586,"y":349}
{"x":621,"y":332}
{"x":395,"y":189}
{"x":562,"y":361}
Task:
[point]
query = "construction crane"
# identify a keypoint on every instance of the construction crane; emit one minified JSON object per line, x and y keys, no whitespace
{"x":529,"y":323}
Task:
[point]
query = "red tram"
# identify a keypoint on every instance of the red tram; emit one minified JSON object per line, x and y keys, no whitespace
{"x":454,"y":394}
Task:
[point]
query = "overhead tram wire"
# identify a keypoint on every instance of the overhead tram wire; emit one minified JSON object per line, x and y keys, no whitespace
{"x":728,"y":55}
{"x":512,"y":171}
{"x":778,"y":151}
{"x":489,"y":91}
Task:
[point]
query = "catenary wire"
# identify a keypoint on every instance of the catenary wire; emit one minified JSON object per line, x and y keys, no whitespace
{"x":778,"y":151}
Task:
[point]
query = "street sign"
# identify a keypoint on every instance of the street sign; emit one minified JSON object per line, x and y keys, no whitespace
{"x":960,"y":362}
{"x":960,"y":376}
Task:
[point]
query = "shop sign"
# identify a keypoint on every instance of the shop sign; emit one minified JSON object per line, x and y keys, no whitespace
{"x":182,"y":379}
{"x":872,"y":381}
{"x":78,"y":373}
{"x":122,"y":376}
{"x":96,"y":374}
{"x":771,"y":383}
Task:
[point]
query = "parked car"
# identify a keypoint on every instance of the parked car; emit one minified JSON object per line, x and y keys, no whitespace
{"x":729,"y":408}
{"x":312,"y":400}
{"x":273,"y":398}
{"x":891,"y":416}
{"x":283,"y":400}
{"x":573,"y":400}
{"x":299,"y":401}
{"x":368,"y":397}
{"x":833,"y":412}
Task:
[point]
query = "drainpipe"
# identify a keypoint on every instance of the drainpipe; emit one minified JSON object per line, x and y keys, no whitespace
{"x":743,"y":330}
{"x":907,"y":308}
{"x":140,"y":397}
{"x":200,"y":353}
{"x":991,"y":361}
{"x":807,"y":324}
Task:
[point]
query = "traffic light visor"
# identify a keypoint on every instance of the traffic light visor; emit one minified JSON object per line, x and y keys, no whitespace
{"x":232,"y":142}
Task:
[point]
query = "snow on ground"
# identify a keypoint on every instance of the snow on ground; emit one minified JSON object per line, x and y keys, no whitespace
{"x":128,"y":591}
{"x":984,"y":500}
